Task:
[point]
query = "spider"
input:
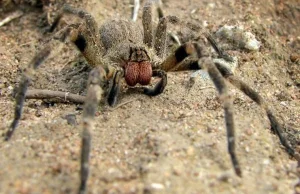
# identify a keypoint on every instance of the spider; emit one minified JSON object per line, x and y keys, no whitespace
{"x":120,"y":49}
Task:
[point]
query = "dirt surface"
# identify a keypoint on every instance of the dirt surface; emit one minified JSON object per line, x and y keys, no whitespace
{"x":172,"y":143}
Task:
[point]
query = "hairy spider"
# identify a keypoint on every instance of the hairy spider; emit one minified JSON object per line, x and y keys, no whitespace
{"x":120,"y":49}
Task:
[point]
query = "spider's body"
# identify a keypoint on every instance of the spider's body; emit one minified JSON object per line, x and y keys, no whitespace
{"x":123,"y":44}
{"x":120,"y":31}
{"x":120,"y":49}
{"x":124,"y":48}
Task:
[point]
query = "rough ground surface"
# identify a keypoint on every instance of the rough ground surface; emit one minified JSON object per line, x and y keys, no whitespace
{"x":172,"y":143}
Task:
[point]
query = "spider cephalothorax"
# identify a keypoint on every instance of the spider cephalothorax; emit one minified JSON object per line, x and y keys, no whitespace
{"x":120,"y":49}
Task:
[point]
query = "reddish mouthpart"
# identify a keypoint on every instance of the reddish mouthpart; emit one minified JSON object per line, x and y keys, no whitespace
{"x":138,"y":72}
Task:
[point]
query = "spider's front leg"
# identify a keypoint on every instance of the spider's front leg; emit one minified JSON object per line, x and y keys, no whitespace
{"x":22,"y":88}
{"x":27,"y":75}
{"x":86,"y":38}
{"x":97,"y":80}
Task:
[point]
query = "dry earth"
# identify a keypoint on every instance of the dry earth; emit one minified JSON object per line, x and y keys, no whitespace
{"x":172,"y":143}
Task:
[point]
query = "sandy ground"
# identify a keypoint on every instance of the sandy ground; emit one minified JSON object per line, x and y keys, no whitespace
{"x":172,"y":143}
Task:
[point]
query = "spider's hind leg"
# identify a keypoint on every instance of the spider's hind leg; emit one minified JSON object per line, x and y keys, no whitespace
{"x":221,"y":86}
{"x":276,"y":126}
{"x":228,"y":75}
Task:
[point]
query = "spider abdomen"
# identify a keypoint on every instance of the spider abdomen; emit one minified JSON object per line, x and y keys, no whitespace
{"x":138,"y":72}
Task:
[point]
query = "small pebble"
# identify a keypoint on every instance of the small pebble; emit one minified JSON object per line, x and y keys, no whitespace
{"x":71,"y":119}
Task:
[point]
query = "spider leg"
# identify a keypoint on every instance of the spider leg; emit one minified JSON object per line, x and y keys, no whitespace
{"x":84,"y":159}
{"x":97,"y":79}
{"x":221,"y":52}
{"x":161,"y":37}
{"x":220,"y":84}
{"x":22,"y":88}
{"x":173,"y":62}
{"x":276,"y":127}
{"x":27,"y":75}
{"x":88,"y":18}
{"x":174,"y":59}
{"x":191,"y":63}
{"x":159,"y":9}
{"x":86,"y":37}
{"x":78,"y":36}
{"x":160,"y":86}
{"x":216,"y":71}
{"x":115,"y":88}
{"x":161,"y":34}
{"x":147,"y":23}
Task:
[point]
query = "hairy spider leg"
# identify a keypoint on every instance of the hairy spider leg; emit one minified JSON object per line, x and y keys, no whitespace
{"x":96,"y":80}
{"x":27,"y":75}
{"x":147,"y":24}
{"x":276,"y":126}
{"x":181,"y":53}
